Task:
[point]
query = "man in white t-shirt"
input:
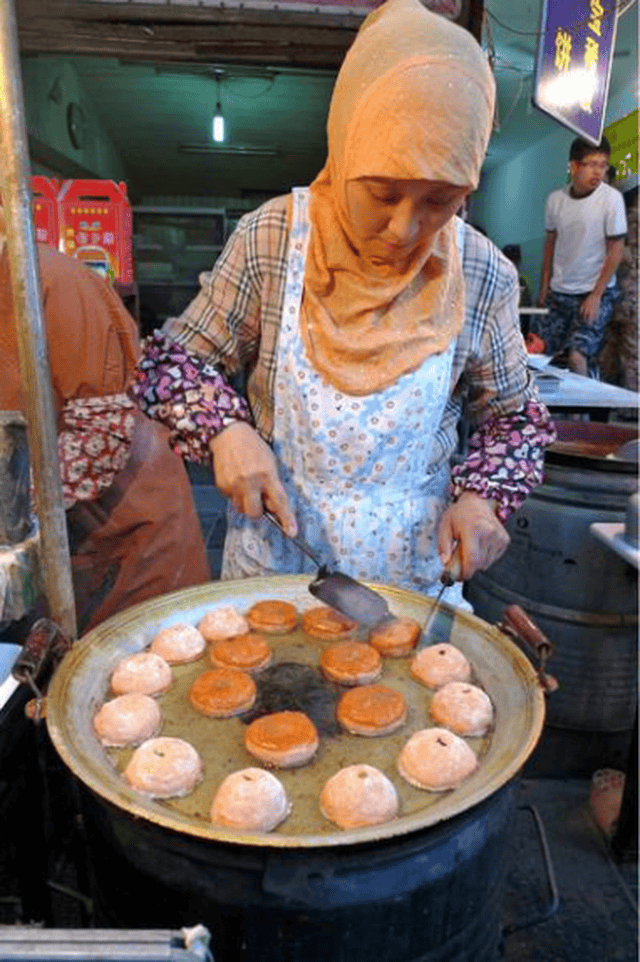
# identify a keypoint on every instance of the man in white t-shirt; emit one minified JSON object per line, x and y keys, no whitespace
{"x":585,"y":226}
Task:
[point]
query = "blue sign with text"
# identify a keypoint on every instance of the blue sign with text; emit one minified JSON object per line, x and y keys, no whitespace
{"x":573,"y":64}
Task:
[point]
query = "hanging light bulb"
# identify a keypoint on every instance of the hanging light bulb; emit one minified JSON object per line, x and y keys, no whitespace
{"x":218,"y":120}
{"x":218,"y":126}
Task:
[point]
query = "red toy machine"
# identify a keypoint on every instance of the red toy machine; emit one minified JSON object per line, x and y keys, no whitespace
{"x":96,"y":226}
{"x":45,"y":209}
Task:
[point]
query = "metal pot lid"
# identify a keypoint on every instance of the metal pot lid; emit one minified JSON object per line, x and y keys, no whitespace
{"x":81,"y":684}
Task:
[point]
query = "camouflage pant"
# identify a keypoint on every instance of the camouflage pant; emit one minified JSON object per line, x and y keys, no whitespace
{"x":563,"y":328}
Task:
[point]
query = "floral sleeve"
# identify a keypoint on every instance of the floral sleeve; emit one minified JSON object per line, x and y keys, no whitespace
{"x":93,"y":444}
{"x":506,"y":458}
{"x":187,"y":394}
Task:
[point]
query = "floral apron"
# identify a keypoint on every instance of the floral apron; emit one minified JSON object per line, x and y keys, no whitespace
{"x":357,"y":470}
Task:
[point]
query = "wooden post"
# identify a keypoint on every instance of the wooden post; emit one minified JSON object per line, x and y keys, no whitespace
{"x":32,"y":342}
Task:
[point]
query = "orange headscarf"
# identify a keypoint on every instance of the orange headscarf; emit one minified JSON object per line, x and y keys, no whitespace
{"x":413,"y":100}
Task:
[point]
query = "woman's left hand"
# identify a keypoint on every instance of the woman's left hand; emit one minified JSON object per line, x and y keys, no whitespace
{"x":482,"y":537}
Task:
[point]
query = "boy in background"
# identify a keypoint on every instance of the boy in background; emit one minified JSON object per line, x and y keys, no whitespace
{"x":585,"y":226}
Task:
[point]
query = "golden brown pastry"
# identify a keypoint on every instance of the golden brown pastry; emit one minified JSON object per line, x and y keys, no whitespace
{"x":396,"y":638}
{"x":327,"y":624}
{"x":371,"y":710}
{"x":246,"y":652}
{"x":351,"y":663}
{"x":223,"y":692}
{"x":284,"y":739}
{"x":273,"y":617}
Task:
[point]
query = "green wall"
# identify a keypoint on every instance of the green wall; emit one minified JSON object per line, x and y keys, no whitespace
{"x":509,"y":203}
{"x":50,"y":84}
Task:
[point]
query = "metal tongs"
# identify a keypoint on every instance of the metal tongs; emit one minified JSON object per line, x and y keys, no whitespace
{"x":340,"y":591}
{"x":447,"y":580}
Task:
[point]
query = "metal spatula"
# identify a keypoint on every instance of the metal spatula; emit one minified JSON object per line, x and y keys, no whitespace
{"x":340,"y":591}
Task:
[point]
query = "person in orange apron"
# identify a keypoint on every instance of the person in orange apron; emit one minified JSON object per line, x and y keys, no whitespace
{"x":133,"y":529}
{"x":370,"y":321}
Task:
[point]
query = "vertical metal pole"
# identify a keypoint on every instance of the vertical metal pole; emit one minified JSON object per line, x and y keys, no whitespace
{"x":32,"y":342}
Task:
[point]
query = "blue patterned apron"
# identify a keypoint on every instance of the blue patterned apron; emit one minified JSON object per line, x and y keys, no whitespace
{"x":357,"y":470}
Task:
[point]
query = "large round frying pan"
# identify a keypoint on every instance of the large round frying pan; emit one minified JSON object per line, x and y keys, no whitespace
{"x":81,"y":683}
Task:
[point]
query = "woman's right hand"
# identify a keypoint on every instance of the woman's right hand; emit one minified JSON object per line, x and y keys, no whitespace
{"x":245,"y":471}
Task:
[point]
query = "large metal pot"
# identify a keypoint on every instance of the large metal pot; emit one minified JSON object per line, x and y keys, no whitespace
{"x":581,"y":595}
{"x":426,"y":886}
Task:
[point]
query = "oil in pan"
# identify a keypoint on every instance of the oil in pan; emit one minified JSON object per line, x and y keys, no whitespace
{"x":294,"y":682}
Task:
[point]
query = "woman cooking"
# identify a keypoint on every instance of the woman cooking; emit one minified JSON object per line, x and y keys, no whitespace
{"x":369,"y":320}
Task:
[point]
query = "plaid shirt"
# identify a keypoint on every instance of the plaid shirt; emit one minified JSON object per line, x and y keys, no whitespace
{"x":234,"y":322}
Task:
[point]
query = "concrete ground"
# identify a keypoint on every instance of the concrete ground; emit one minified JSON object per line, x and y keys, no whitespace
{"x":597,"y":917}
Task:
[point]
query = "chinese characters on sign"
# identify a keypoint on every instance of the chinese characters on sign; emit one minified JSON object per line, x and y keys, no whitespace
{"x":573,"y":66}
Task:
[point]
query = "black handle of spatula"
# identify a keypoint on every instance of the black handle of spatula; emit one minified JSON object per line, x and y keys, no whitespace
{"x":304,"y":547}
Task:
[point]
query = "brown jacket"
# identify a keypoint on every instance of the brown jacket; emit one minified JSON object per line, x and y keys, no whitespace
{"x":141,"y":537}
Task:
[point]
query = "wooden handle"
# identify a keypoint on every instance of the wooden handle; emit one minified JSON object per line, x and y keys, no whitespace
{"x":518,"y":621}
{"x":43,"y":649}
{"x":453,"y":567}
